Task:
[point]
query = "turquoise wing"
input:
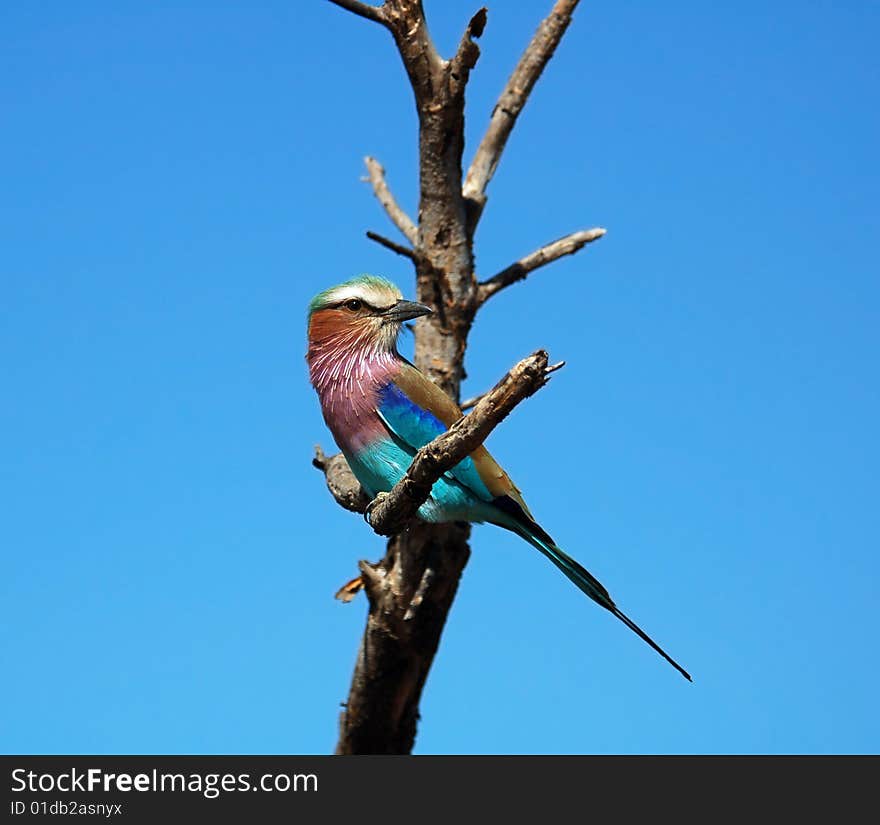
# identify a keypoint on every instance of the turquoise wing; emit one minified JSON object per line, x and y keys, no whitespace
{"x":413,"y":426}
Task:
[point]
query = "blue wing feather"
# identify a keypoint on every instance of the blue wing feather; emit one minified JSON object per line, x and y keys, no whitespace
{"x":416,"y":426}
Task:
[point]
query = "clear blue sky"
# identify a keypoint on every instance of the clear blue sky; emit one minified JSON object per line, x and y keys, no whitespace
{"x":180,"y":178}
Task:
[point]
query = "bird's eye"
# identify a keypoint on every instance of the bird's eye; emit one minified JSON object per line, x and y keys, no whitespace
{"x":354,"y":304}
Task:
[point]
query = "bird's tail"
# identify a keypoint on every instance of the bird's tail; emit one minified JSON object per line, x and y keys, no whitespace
{"x":585,"y":582}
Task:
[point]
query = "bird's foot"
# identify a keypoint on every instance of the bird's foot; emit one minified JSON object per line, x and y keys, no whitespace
{"x":372,"y":505}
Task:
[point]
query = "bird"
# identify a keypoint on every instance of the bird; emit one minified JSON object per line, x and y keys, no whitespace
{"x":381,"y":409}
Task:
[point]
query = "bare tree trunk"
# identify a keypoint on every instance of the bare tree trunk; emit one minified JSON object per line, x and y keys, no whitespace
{"x":412,"y":588}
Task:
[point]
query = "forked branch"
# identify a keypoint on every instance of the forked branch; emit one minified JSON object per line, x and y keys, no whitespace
{"x":470,"y":403}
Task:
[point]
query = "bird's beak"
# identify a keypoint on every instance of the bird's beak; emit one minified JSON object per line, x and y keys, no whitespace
{"x":405,"y":311}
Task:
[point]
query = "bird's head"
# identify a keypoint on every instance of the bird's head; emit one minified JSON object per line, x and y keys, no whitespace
{"x":365,"y":312}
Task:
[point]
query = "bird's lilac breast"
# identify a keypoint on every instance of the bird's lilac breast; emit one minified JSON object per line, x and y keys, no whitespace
{"x":349,"y":395}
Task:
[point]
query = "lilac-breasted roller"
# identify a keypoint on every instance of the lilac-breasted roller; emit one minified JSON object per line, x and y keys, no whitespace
{"x":381,"y":410}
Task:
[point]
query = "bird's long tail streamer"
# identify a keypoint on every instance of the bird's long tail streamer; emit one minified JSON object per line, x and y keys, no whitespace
{"x":590,"y":585}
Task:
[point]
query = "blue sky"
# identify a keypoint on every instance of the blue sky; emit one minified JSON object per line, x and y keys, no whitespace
{"x":180,"y":178}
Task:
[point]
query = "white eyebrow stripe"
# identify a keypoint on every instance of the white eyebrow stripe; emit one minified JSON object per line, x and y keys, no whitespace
{"x":374,"y":297}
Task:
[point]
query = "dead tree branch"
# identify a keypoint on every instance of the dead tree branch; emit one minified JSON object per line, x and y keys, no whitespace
{"x":374,"y":13}
{"x":511,"y":102}
{"x":412,"y":588}
{"x":341,"y":483}
{"x":470,"y":403}
{"x":391,"y":513}
{"x":548,"y":253}
{"x":400,"y":249}
{"x":376,"y":176}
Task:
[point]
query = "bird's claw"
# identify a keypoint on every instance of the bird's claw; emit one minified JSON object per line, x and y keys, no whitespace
{"x":372,"y":505}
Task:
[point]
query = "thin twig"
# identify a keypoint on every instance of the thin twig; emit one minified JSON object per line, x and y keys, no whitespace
{"x":391,"y":512}
{"x":374,"y":13}
{"x":567,"y":245}
{"x":512,"y":100}
{"x":380,"y":188}
{"x":471,"y":402}
{"x":389,"y":244}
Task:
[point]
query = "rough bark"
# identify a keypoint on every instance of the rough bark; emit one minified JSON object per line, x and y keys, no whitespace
{"x":412,"y":588}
